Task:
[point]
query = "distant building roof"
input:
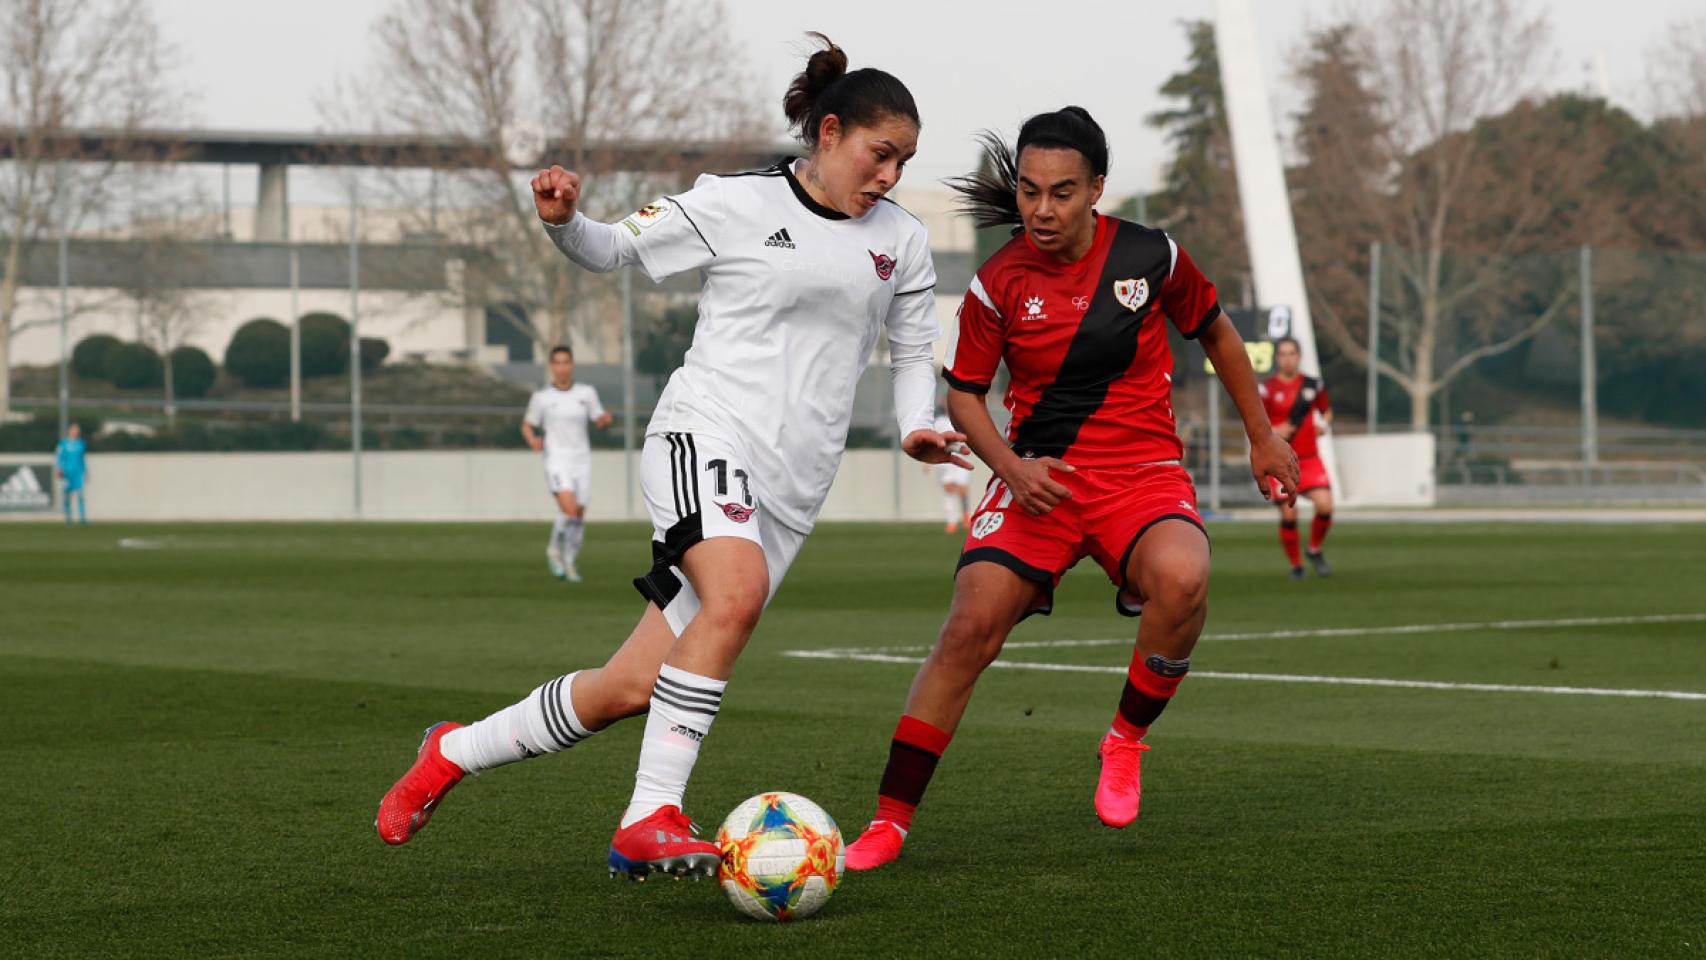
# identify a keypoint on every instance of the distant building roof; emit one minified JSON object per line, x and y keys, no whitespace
{"x":379,"y":150}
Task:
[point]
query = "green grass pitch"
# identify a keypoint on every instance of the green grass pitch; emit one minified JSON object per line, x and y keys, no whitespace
{"x":197,"y":727}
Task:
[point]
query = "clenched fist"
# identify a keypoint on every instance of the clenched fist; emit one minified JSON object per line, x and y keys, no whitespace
{"x":555,"y":192}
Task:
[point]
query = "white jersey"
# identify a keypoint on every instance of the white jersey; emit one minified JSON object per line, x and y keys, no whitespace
{"x":564,"y":415}
{"x":794,"y":297}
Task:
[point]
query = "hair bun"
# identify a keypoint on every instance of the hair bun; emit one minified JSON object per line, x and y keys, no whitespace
{"x":823,"y":68}
{"x":1081,"y":114}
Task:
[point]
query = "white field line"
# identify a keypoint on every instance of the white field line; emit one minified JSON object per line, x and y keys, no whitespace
{"x":1282,"y":677}
{"x":1398,"y":630}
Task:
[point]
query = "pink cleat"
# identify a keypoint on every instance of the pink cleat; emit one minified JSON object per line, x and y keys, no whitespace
{"x":879,"y":844}
{"x":1119,"y":788}
{"x":410,"y":803}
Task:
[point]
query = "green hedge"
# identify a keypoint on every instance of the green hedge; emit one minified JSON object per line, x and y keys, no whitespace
{"x":259,"y":353}
{"x":373,"y":353}
{"x":133,"y":366}
{"x":325,"y":345}
{"x":89,"y":357}
{"x":193,"y":373}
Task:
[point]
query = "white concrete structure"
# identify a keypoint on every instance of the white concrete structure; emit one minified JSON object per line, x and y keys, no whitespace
{"x":431,"y":485}
{"x":1388,"y":470}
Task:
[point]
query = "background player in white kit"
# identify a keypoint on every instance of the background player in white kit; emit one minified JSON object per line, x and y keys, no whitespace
{"x":563,"y":408}
{"x":956,"y":484}
{"x":804,"y":265}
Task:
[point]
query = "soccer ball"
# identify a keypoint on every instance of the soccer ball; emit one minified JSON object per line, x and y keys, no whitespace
{"x":782,"y":857}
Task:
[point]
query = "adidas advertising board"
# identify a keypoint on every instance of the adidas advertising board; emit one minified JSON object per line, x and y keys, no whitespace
{"x":25,"y":488}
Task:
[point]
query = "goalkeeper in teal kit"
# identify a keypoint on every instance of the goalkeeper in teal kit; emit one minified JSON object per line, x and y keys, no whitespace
{"x":71,"y":468}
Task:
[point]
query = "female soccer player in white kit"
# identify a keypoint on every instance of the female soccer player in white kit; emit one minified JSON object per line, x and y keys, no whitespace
{"x":563,"y":408}
{"x":955,"y":481}
{"x":804,"y":266}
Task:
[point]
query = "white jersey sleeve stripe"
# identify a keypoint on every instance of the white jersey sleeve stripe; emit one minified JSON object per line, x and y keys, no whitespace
{"x":982,"y":296}
{"x":1172,"y":255}
{"x":695,"y":225}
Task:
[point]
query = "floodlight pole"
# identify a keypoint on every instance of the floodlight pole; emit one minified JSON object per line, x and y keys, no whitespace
{"x":295,"y":335}
{"x":1374,"y":337}
{"x":355,"y":346}
{"x":1590,"y":405}
{"x":64,"y":304}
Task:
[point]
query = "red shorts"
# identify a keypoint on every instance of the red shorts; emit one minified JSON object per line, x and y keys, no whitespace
{"x":1110,"y":510}
{"x":1311,"y":475}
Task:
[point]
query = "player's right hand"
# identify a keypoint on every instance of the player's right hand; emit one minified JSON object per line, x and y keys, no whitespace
{"x":555,"y":193}
{"x":1274,"y":465}
{"x":1033,"y":488}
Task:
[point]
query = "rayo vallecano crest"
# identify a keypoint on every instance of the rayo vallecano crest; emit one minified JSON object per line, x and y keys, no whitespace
{"x":1132,"y":294}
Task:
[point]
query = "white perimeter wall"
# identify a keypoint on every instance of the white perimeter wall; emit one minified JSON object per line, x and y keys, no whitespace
{"x":1386,"y":470}
{"x":431,"y":485}
{"x":1393,"y":470}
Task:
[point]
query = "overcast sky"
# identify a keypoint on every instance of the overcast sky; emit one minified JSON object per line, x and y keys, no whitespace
{"x":259,"y":64}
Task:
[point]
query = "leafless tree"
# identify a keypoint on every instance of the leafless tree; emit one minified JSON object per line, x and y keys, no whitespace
{"x":545,"y":81}
{"x":157,"y":278}
{"x":66,"y":65}
{"x":1399,"y":149}
{"x":1679,"y":66}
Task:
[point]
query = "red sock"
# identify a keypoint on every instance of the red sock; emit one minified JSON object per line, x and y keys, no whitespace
{"x":913,"y":754}
{"x":1318,"y":531}
{"x":1149,"y":686}
{"x":1288,"y":539}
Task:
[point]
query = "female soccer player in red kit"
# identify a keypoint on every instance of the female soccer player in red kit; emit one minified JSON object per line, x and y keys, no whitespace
{"x":1292,"y":401}
{"x":1077,"y":307}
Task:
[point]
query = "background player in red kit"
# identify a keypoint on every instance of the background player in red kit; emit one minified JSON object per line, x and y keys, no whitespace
{"x":1077,"y":307}
{"x":1292,"y":400}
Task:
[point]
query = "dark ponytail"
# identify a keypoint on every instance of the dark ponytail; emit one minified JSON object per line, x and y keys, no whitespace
{"x":991,"y":195}
{"x":862,"y":98}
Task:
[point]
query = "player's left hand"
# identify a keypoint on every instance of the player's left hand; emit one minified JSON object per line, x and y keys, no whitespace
{"x":928,"y":446}
{"x":604,"y":421}
{"x":1286,"y":430}
{"x":1272,"y":460}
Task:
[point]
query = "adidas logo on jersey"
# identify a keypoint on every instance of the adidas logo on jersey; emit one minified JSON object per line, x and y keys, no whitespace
{"x":780,"y":239}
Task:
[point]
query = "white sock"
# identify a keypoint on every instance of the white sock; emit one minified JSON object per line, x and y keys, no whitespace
{"x":574,"y":534}
{"x":545,"y":722}
{"x":554,"y":546}
{"x":951,"y":508}
{"x":683,"y":706}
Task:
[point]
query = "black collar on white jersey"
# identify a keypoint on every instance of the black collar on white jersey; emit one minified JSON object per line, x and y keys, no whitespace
{"x":786,"y":166}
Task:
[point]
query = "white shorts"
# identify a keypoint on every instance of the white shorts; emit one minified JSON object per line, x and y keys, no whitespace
{"x":571,"y":472}
{"x":947,"y":473}
{"x":697,"y":488}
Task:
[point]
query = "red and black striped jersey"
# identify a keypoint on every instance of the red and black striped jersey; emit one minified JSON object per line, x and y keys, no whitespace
{"x":1295,"y":401}
{"x":1085,"y":343}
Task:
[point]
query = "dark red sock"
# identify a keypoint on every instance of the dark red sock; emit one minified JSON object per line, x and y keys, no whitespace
{"x":1288,"y":539}
{"x":1149,"y":686}
{"x":913,"y":754}
{"x":1318,"y":531}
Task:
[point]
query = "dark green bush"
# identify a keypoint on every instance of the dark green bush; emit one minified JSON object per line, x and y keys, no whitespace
{"x":325,"y":345}
{"x":193,"y":373}
{"x":259,"y":353}
{"x":89,"y":357}
{"x":373,"y":353}
{"x":133,"y":366}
